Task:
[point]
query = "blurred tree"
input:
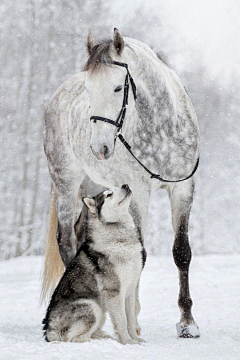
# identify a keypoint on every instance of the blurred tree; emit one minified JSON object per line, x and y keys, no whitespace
{"x":43,"y":43}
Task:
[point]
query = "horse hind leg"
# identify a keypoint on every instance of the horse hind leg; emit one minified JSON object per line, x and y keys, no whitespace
{"x":181,"y":196}
{"x":66,"y":185}
{"x":66,"y":208}
{"x":61,"y":243}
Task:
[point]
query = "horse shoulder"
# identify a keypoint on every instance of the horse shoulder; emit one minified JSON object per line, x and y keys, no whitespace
{"x":69,"y":100}
{"x":66,"y":93}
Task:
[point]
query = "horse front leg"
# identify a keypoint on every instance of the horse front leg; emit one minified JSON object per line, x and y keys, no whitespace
{"x":181,"y":196}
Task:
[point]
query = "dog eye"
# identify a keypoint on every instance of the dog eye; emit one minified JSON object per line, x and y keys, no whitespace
{"x":118,"y":88}
{"x":108,"y":195}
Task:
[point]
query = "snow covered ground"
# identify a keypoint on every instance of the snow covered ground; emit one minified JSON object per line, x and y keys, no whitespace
{"x":215,"y":291}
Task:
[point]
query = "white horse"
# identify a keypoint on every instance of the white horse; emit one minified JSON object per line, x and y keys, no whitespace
{"x":161,"y":127}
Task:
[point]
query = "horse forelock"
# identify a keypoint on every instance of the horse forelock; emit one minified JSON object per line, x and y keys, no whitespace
{"x":99,"y":56}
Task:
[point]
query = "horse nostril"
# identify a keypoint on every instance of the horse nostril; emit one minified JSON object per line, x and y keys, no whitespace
{"x":105,"y":151}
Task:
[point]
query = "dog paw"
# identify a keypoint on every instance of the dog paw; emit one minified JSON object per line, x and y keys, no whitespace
{"x":141,"y":340}
{"x":132,"y":342}
{"x":188,"y":331}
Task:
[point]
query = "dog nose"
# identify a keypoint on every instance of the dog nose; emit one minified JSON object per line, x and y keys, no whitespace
{"x":125,"y":186}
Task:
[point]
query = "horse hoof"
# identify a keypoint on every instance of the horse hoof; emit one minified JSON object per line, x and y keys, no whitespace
{"x":189,"y":331}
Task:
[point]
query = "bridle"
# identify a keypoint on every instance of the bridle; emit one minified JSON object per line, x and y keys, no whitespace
{"x":121,"y":116}
{"x":119,"y":123}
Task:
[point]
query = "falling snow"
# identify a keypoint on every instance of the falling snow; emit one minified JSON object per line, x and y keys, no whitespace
{"x":43,"y":44}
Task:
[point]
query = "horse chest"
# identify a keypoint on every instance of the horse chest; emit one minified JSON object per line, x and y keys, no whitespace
{"x":117,"y":170}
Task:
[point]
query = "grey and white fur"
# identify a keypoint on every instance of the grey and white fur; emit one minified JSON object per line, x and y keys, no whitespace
{"x":103,"y":276}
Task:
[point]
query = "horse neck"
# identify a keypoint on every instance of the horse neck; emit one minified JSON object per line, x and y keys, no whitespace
{"x":163,"y":127}
{"x":162,"y":99}
{"x":155,"y":97}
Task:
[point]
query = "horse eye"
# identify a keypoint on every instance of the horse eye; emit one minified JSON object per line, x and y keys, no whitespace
{"x":108,"y":195}
{"x":118,"y":88}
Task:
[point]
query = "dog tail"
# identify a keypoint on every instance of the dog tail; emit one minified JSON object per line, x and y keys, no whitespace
{"x":53,"y":268}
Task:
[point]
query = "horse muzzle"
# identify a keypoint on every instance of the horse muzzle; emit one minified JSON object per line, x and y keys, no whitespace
{"x":103,"y":152}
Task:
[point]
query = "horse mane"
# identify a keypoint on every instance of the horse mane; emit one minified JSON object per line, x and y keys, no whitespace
{"x":163,"y":57}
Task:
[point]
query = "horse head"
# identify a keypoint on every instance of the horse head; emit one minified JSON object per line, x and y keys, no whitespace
{"x":106,"y":85}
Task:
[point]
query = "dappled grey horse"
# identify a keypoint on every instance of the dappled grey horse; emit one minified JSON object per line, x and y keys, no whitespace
{"x":125,"y":119}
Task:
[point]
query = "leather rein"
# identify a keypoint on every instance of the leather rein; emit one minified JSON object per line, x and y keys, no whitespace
{"x":119,"y":123}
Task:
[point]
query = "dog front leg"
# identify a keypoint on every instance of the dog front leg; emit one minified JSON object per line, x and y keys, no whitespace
{"x":131,"y":316}
{"x":137,"y":311}
{"x":116,"y":307}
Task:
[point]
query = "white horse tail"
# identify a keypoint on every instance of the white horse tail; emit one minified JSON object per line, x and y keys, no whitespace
{"x":53,"y":266}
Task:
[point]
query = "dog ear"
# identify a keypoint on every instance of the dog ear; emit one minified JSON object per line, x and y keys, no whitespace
{"x":90,"y":203}
{"x":118,"y":42}
{"x":91,"y":42}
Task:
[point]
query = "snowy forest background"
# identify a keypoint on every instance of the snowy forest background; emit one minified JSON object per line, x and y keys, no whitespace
{"x":43,"y":43}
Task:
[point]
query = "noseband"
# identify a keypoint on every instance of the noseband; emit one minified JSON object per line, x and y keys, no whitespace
{"x":119,"y":123}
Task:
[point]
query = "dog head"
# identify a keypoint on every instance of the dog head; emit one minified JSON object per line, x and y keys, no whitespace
{"x":110,"y":206}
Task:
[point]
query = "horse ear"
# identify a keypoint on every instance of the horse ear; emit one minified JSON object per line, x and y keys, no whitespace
{"x":91,"y":42}
{"x":118,"y":42}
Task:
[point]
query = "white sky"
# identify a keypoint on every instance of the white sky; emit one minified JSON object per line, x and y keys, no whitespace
{"x":196,"y":28}
{"x":210,"y":27}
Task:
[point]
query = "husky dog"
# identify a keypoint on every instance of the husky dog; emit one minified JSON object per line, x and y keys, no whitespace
{"x":103,"y":276}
